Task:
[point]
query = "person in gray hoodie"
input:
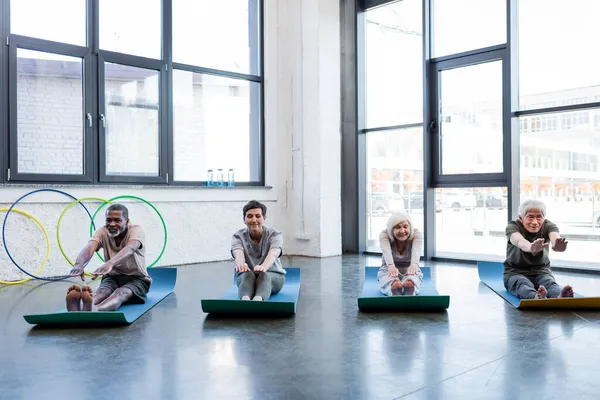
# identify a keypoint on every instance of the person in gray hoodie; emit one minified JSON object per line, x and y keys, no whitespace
{"x":257,"y":250}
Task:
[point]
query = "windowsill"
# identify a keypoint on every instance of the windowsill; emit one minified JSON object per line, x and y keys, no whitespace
{"x":153,"y":193}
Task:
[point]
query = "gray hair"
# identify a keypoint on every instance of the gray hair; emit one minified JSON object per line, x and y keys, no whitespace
{"x":529,"y":205}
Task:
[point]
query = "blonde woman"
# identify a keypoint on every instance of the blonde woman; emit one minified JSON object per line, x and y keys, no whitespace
{"x":401,"y":246}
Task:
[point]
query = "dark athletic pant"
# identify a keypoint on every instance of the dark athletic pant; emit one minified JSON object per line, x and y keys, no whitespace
{"x":525,"y":288}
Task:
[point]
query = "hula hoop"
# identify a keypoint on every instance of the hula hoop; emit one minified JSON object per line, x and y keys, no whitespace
{"x":4,"y":230}
{"x":162,"y":251}
{"x":103,"y":201}
{"x":47,"y":246}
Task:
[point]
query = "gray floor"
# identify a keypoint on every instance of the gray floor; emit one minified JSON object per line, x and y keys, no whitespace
{"x":481,"y":348}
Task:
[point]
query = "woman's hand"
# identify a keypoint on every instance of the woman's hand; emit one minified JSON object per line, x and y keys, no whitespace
{"x":260,"y":268}
{"x":242,"y":267}
{"x":392,"y":271}
{"x":413,"y":269}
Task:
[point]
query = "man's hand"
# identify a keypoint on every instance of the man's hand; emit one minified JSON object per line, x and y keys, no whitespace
{"x":242,"y":267}
{"x":77,"y":271}
{"x":560,"y":244}
{"x":413,"y":269}
{"x":538,"y":245}
{"x":102,"y":270}
{"x":260,"y":268}
{"x":392,"y":271}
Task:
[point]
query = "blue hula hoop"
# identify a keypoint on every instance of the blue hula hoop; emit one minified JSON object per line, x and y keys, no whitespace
{"x":4,"y":230}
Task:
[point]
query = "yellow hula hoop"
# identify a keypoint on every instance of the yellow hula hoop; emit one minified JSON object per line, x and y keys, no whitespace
{"x":47,"y":246}
{"x":103,"y":201}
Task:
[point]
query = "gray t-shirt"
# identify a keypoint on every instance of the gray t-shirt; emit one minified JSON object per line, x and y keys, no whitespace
{"x":255,"y":253}
{"x":519,"y":262}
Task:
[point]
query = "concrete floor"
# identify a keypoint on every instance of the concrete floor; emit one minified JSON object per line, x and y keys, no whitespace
{"x":481,"y":348}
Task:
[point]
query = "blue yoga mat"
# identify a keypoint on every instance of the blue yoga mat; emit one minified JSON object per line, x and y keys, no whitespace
{"x":283,"y":302}
{"x":491,"y":274}
{"x":428,"y":297}
{"x":163,"y":283}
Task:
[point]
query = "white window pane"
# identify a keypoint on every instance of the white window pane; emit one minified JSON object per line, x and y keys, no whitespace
{"x":470,"y":223}
{"x":216,"y":125}
{"x":394,"y":64}
{"x":220,"y":34}
{"x":394,"y":179}
{"x":565,"y":175}
{"x":557,"y":52}
{"x":49,"y":113}
{"x":132,"y":120}
{"x":56,"y":20}
{"x":131,"y":27}
{"x":463,"y":25}
{"x":471,"y":119}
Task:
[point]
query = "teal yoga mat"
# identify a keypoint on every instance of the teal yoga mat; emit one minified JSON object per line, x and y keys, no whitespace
{"x":282,"y":303}
{"x":163,"y":283}
{"x":428,"y":298}
{"x":491,"y":274}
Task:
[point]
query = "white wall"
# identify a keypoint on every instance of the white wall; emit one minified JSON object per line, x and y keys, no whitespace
{"x":302,"y":129}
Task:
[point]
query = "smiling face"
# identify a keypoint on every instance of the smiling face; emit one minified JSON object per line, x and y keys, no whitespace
{"x":254,"y":220}
{"x":401,"y":231}
{"x":532,"y":220}
{"x":116,"y":224}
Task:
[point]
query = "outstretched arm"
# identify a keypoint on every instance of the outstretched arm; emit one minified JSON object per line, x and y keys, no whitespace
{"x":125,"y":252}
{"x":386,"y":248}
{"x":530,"y":247}
{"x":269,"y":260}
{"x":415,"y":257}
{"x":240,"y":260}
{"x":83,"y":258}
{"x":558,"y":243}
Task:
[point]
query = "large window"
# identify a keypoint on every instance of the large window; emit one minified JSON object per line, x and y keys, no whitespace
{"x":132,"y":91}
{"x":511,"y":108}
{"x":393,"y":78}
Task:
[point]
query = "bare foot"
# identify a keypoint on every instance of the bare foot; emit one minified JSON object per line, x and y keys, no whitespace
{"x":245,"y":297}
{"x":396,"y":287}
{"x":86,"y":298}
{"x":567,"y":291}
{"x":74,"y":298}
{"x":257,"y":298}
{"x":409,"y":287}
{"x":541,"y":293}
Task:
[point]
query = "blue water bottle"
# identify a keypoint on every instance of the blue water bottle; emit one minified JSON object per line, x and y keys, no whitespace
{"x":230,"y":178}
{"x":220,"y":177}
{"x":209,"y":178}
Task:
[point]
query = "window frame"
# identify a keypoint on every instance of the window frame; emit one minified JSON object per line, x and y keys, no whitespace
{"x":461,"y":60}
{"x":22,"y":42}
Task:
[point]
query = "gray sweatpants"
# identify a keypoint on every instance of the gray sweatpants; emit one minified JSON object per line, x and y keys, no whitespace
{"x":525,"y":287}
{"x":385,"y":282}
{"x":263,"y":284}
